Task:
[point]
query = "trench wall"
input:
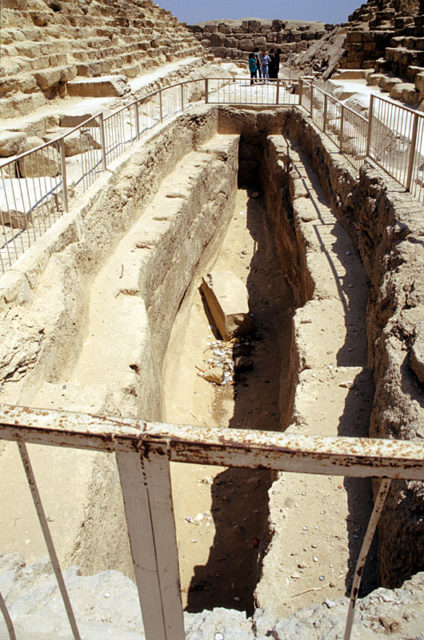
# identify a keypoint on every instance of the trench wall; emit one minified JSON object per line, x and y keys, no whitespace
{"x":45,"y":318}
{"x":387,"y":226}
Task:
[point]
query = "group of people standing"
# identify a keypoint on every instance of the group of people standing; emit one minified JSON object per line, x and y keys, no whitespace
{"x":264,"y":66}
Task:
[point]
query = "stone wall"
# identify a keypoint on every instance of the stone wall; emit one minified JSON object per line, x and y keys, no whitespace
{"x":388,"y":229}
{"x":49,"y":302}
{"x":235,"y":39}
{"x":45,"y":45}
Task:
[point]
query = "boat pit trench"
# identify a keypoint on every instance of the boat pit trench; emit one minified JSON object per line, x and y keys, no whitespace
{"x":109,"y":319}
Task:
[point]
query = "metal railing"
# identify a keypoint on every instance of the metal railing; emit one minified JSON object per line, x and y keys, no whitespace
{"x":143,"y":454}
{"x":244,"y":91}
{"x":391,"y":136}
{"x":37,"y":186}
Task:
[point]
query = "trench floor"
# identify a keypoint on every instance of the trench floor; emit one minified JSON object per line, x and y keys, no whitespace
{"x":222,"y":515}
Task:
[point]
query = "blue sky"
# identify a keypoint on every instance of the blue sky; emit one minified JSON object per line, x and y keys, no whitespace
{"x":191,"y":11}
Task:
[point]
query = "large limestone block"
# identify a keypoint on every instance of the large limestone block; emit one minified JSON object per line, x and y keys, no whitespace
{"x":10,"y":142}
{"x":47,"y":78}
{"x":103,"y":86}
{"x":76,"y":142}
{"x":45,"y":162}
{"x":228,"y":302}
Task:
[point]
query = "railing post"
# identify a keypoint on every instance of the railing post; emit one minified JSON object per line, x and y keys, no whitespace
{"x":160,"y":106}
{"x":146,"y":489}
{"x":341,"y":127}
{"x":206,"y":91}
{"x":370,"y":116}
{"x":312,"y":101}
{"x":301,"y":92}
{"x":182,"y":97}
{"x":412,"y":152}
{"x":64,"y":177}
{"x":103,"y":140}
{"x":369,"y":535}
{"x":277,"y":99}
{"x":137,"y":124}
{"x":26,"y":462}
{"x":324,"y":121}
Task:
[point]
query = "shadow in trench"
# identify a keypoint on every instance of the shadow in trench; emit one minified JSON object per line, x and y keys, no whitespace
{"x":240,"y":496}
{"x":354,"y":422}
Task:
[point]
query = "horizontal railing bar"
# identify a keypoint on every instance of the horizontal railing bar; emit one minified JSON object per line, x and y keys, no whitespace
{"x":355,"y":457}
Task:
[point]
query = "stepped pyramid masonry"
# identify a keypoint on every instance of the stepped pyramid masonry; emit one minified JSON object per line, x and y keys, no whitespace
{"x":47,"y":44}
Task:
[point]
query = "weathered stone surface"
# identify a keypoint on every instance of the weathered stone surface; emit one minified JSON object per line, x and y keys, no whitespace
{"x":75,"y":143}
{"x":388,"y":229}
{"x":148,"y":296}
{"x":417,"y":357}
{"x":47,"y":78}
{"x":106,"y":606}
{"x":244,"y":36}
{"x":45,"y":162}
{"x":228,"y":303}
{"x":98,"y":87}
{"x":10,"y":143}
{"x":44,"y":47}
{"x":71,"y":121}
{"x":15,"y":219}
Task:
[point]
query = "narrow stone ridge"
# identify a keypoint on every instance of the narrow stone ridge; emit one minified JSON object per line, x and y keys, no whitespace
{"x":311,"y":543}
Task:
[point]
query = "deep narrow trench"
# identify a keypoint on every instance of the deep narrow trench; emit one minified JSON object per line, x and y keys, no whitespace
{"x":230,"y":539}
{"x":299,"y":536}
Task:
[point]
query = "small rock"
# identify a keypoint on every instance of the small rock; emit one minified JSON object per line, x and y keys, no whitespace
{"x":390,"y":624}
{"x":315,"y":559}
{"x":295,"y":575}
{"x":329,"y":603}
{"x":243,"y":364}
{"x":216,"y":375}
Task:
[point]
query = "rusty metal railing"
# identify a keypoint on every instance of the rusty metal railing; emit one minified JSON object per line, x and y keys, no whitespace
{"x":143,"y":454}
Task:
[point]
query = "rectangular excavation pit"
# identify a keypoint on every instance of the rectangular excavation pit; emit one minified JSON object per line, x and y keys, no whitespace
{"x":306,"y":236}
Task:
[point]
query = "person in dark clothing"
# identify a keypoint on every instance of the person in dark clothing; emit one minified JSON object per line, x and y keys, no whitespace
{"x":253,"y":68}
{"x":272,"y":64}
{"x":277,"y":62}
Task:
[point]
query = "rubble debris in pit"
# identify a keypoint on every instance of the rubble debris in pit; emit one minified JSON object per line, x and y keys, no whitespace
{"x":228,"y":359}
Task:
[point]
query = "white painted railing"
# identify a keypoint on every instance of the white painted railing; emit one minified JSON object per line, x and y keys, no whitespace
{"x":392,"y":135}
{"x":143,"y":454}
